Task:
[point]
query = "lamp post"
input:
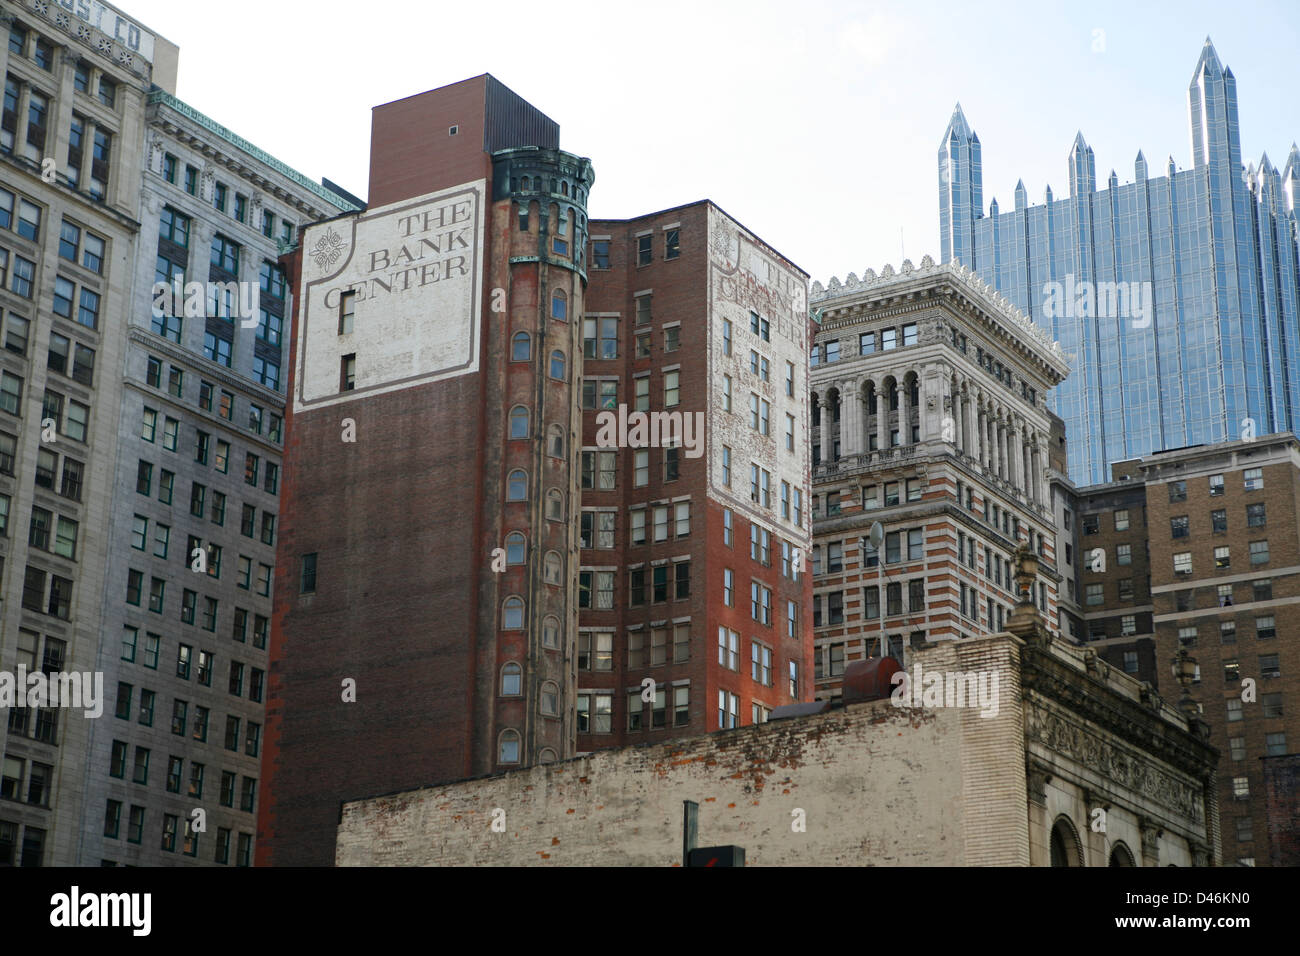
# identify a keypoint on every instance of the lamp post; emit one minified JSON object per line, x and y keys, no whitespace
{"x":877,"y":536}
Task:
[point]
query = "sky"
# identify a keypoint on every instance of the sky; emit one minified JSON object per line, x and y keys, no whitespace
{"x":816,"y":124}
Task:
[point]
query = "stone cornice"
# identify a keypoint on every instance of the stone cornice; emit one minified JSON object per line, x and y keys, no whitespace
{"x":934,"y":283}
{"x":1092,"y":698}
{"x":160,"y":99}
{"x":1122,"y":761}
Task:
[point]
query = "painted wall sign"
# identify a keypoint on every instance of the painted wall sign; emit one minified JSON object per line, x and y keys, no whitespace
{"x":400,"y":288}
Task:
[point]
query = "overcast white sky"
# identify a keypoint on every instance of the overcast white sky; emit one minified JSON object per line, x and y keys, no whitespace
{"x":814,"y":123}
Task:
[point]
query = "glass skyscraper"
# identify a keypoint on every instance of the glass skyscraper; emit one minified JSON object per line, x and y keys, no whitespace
{"x":1174,"y":297}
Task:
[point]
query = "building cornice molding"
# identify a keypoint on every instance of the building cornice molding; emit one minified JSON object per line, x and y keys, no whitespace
{"x":189,"y":126}
{"x":932,"y":283}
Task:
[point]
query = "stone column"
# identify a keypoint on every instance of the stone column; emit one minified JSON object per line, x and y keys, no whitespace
{"x":995,"y":443}
{"x":1036,"y":470}
{"x":57,"y":136}
{"x":1006,"y":449}
{"x":1028,"y":462}
{"x":6,"y":21}
{"x":24,"y":104}
{"x":851,"y":419}
{"x":1015,"y":456}
{"x":904,"y":412}
{"x":1037,"y":776}
{"x":882,"y":416}
{"x":968,"y":430}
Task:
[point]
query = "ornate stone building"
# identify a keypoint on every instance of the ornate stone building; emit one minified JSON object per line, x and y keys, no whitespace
{"x":929,"y":416}
{"x":70,"y":167}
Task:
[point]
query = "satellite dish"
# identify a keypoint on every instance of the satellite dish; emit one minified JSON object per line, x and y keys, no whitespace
{"x":876,"y":535}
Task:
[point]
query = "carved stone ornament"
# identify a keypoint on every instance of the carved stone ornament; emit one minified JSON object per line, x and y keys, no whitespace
{"x":1037,"y":776}
{"x":1151,"y":834}
{"x":1124,"y":768}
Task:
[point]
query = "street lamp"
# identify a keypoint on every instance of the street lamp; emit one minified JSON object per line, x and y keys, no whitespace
{"x":876,"y":537}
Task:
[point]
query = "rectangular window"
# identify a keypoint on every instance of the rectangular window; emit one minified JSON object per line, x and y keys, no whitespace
{"x":672,"y":389}
{"x":728,"y":649}
{"x":1269,"y":665}
{"x":672,"y":244}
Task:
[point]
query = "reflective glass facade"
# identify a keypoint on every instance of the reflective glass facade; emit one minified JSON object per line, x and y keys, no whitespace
{"x":1174,"y":297}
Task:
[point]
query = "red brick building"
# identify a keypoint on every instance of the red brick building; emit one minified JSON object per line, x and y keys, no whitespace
{"x":474,"y":577}
{"x":418,"y":529}
{"x":689,"y":576}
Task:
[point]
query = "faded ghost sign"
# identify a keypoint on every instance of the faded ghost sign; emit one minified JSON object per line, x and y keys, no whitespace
{"x":397,"y":288}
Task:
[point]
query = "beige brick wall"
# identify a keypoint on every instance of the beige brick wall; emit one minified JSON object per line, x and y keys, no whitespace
{"x":879,"y":784}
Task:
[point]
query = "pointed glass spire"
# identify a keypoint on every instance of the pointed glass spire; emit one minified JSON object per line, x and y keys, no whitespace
{"x":958,"y":130}
{"x":1208,"y":61}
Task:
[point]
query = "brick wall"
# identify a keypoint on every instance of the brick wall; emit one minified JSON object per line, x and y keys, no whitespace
{"x":878,"y":784}
{"x":1282,"y":808}
{"x":851,"y":772}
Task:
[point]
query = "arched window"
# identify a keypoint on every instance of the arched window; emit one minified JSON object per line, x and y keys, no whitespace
{"x":519,"y":422}
{"x":555,"y":441}
{"x":816,"y":410}
{"x":552,"y":569}
{"x":551,"y":632}
{"x":1120,"y":856}
{"x":546,"y":756}
{"x":521,"y":347}
{"x":559,"y":305}
{"x":554,"y":505}
{"x":516,"y":486}
{"x":1065,"y":849}
{"x":515,"y":548}
{"x":550,"y":699}
{"x":512,"y":680}
{"x":557,"y":365}
{"x":509,"y":748}
{"x":527,"y":183}
{"x":564,"y":189}
{"x":512,"y":614}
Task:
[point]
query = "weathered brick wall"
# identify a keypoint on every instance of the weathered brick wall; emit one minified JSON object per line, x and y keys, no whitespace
{"x":879,"y":784}
{"x":1282,"y":806}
